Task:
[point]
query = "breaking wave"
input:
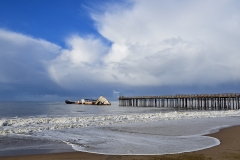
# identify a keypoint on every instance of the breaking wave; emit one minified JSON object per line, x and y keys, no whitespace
{"x":28,"y":125}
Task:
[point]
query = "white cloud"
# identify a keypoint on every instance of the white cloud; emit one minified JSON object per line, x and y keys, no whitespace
{"x":153,"y":43}
{"x":157,"y":43}
{"x":80,"y":63}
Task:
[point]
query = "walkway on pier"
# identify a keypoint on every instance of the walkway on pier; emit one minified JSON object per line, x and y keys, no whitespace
{"x":194,"y":101}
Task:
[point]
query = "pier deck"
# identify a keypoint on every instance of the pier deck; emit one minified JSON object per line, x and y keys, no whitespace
{"x":192,"y":101}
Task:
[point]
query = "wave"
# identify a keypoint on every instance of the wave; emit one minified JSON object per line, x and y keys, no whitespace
{"x":29,"y":125}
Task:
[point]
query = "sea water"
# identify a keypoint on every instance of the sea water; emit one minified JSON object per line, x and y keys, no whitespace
{"x":43,"y":127}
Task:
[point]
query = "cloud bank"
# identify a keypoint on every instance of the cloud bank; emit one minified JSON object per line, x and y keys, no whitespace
{"x":151,"y":44}
{"x":22,"y":65}
{"x":156,"y":43}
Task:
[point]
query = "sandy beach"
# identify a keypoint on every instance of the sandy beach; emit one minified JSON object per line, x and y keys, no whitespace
{"x":228,"y":149}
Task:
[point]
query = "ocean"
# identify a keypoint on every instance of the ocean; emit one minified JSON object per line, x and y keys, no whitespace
{"x":50,"y":127}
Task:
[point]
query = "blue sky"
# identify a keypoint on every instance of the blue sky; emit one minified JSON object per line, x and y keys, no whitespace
{"x":60,"y":49}
{"x":50,"y":20}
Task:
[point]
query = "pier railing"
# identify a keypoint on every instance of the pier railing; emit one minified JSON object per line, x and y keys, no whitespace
{"x":191,"y":101}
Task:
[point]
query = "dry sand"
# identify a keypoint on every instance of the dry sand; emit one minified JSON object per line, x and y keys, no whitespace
{"x":229,"y":149}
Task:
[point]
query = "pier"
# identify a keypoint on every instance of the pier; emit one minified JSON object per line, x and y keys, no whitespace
{"x":192,"y":101}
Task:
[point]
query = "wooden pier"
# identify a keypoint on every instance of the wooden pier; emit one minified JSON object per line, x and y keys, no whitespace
{"x":192,"y":101}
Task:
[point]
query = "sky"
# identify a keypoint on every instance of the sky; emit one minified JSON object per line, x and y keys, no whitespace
{"x":52,"y":50}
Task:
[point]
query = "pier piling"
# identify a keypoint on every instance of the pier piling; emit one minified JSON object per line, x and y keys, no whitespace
{"x":226,"y":101}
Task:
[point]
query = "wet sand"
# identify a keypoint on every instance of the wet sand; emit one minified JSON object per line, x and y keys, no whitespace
{"x":229,"y":149}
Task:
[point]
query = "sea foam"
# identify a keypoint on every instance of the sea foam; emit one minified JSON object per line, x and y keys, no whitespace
{"x":29,"y":125}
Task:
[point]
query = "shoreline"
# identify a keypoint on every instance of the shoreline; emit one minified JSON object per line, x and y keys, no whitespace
{"x":229,"y":148}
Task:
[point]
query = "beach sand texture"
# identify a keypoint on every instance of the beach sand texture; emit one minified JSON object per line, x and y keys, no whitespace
{"x":229,"y":149}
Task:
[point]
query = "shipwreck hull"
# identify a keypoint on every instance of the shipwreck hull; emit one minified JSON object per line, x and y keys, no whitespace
{"x":69,"y":102}
{"x":100,"y":101}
